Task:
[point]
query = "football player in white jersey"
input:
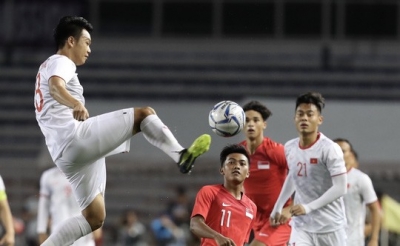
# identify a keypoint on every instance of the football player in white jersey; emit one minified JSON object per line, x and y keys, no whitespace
{"x":6,"y":218}
{"x":56,"y":204}
{"x":360,"y":193}
{"x":317,"y":175}
{"x":78,"y":144}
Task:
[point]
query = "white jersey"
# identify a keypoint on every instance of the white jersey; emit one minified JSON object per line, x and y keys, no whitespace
{"x":360,"y":192}
{"x":56,"y":120}
{"x":57,"y":202}
{"x":311,"y":170}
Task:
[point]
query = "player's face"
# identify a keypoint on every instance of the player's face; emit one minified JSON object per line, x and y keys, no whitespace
{"x":235,"y":168}
{"x":348,"y":155}
{"x":307,"y":118}
{"x":81,"y":48}
{"x":255,"y":125}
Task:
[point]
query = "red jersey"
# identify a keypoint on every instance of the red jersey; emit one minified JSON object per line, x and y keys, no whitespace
{"x":268,"y":171}
{"x":225,"y":214}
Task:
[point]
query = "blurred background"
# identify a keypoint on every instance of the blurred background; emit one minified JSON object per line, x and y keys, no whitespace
{"x":183,"y":56}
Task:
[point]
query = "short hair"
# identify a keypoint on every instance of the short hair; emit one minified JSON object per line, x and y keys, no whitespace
{"x":70,"y":26}
{"x":313,"y":98}
{"x":348,"y":142}
{"x":233,"y":148}
{"x":258,"y":107}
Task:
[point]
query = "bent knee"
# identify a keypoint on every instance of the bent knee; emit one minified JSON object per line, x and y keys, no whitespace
{"x":142,"y":113}
{"x":95,"y":222}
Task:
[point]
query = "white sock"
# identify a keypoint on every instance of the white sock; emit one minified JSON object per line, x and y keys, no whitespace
{"x":68,"y":232}
{"x":160,"y":136}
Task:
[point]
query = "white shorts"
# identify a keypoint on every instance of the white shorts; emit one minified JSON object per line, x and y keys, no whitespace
{"x":299,"y":237}
{"x":83,"y":159}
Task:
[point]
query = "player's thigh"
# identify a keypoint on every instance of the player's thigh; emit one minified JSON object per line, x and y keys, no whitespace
{"x":273,"y":236}
{"x":99,"y":135}
{"x":332,"y":238}
{"x":87,"y":180}
{"x":299,"y":237}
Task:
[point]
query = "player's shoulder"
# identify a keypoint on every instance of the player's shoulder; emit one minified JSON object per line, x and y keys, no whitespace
{"x":211,"y":188}
{"x":360,"y":175}
{"x":270,"y":143}
{"x":292,"y":142}
{"x":328,"y":143}
{"x":58,"y":59}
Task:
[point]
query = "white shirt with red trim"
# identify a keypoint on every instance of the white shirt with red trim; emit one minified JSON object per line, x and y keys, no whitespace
{"x":56,"y":120}
{"x":360,"y":192}
{"x":312,"y":169}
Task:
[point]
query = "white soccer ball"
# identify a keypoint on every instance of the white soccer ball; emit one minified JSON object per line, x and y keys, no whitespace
{"x":226,"y":118}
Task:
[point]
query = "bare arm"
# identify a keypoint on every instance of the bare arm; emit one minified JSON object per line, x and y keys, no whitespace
{"x":59,"y":92}
{"x":375,"y":223}
{"x":7,"y":221}
{"x":202,"y":230}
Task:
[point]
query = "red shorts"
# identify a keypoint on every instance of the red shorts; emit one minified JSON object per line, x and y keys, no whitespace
{"x":272,"y":236}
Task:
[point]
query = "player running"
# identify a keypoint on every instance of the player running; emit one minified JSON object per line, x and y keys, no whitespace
{"x":317,"y":174}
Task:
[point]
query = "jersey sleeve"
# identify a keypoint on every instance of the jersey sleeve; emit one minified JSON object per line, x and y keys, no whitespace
{"x":367,"y":189}
{"x":204,"y":199}
{"x":334,"y":160}
{"x":63,"y":68}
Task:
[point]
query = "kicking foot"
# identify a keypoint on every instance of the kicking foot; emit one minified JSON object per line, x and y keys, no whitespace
{"x":188,"y":156}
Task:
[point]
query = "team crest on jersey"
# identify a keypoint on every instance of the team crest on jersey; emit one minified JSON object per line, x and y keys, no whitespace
{"x":313,"y":160}
{"x":263,"y":164}
{"x":249,"y":213}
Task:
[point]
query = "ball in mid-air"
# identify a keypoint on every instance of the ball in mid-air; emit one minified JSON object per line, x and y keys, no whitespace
{"x":226,"y":118}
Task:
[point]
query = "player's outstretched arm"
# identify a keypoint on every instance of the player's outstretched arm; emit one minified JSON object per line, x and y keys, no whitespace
{"x":338,"y":189}
{"x":202,"y":230}
{"x":277,"y":217}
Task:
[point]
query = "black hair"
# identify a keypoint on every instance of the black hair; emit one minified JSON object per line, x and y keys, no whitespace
{"x":313,"y":98}
{"x":70,"y":26}
{"x":258,"y":107}
{"x":348,"y":142}
{"x":233,"y":148}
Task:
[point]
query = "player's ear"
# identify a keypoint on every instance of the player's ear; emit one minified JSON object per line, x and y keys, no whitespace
{"x":265,"y":124}
{"x":221,"y":171}
{"x":70,"y":41}
{"x":321,"y":119}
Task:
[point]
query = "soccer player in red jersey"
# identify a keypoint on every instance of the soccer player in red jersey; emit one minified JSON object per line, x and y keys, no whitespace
{"x":268,"y":169}
{"x":223,"y":214}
